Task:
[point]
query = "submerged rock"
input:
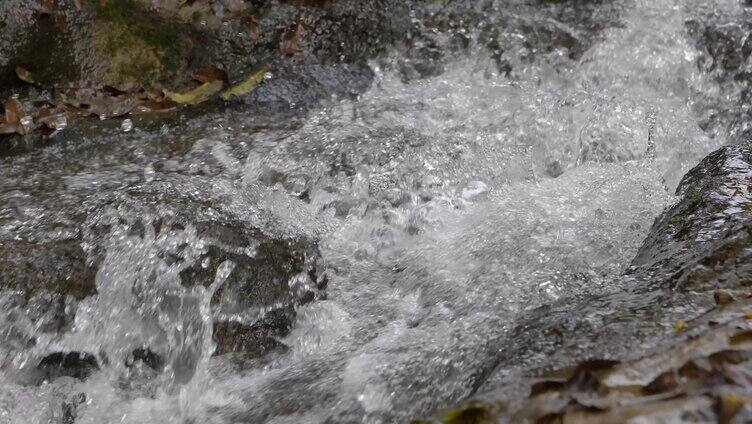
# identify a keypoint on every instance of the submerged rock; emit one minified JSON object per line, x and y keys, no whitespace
{"x":71,"y":364}
{"x":256,"y":340}
{"x":49,"y":275}
{"x":267,"y":274}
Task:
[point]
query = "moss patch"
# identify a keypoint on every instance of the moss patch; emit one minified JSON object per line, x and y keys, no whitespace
{"x":142,"y":46}
{"x":474,"y":413}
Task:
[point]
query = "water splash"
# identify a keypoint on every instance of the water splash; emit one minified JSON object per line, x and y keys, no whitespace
{"x":444,"y":207}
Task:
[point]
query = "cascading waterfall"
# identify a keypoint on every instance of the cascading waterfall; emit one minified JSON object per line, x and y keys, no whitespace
{"x":443,"y":207}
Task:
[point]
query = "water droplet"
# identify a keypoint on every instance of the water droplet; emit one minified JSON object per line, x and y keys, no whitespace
{"x":127,"y":125}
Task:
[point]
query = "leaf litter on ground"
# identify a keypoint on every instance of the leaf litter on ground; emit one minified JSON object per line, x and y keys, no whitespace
{"x":705,"y":375}
{"x":73,"y":101}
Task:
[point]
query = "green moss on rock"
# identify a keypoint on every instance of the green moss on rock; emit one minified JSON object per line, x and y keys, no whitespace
{"x":474,"y":413}
{"x":141,"y":45}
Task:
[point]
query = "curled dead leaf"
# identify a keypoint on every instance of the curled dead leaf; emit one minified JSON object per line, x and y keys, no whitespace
{"x":648,"y":410}
{"x":663,"y":383}
{"x":77,"y":3}
{"x":741,"y":338}
{"x":248,"y":85}
{"x":55,"y":119}
{"x":199,"y":94}
{"x":17,"y":116}
{"x":25,"y":75}
{"x":729,"y":406}
{"x":12,"y":111}
{"x":150,"y":106}
{"x":290,"y":45}
{"x":101,"y":102}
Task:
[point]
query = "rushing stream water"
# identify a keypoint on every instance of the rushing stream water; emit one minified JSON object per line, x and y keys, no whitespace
{"x":442,"y":208}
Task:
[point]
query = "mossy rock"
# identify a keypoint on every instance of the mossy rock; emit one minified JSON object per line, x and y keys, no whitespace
{"x":140,"y":45}
{"x":473,"y":413}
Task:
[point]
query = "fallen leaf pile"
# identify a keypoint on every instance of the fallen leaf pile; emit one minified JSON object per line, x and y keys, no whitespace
{"x":54,"y":114}
{"x":707,"y":377}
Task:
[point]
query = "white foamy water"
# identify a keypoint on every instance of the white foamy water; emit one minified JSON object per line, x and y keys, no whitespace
{"x":443,"y":208}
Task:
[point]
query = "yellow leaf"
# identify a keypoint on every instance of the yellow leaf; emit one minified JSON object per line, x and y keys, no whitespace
{"x":729,"y":406}
{"x":680,"y":326}
{"x":198,"y":94}
{"x":246,"y":86}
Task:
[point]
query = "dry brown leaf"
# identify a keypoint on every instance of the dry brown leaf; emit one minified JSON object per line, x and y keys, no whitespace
{"x":96,"y":101}
{"x":209,"y":74}
{"x":150,"y":106}
{"x":648,"y":410}
{"x":663,"y":383}
{"x":740,"y":338}
{"x":17,"y":116}
{"x":729,"y":406}
{"x":12,"y":111}
{"x":25,"y":75}
{"x":253,"y":24}
{"x":722,"y":297}
{"x":46,"y":7}
{"x":292,"y":39}
{"x":55,"y":119}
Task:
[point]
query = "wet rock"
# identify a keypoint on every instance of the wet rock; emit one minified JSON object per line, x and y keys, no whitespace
{"x":106,"y":42}
{"x":67,"y":364}
{"x":270,"y":274}
{"x":700,"y":245}
{"x":70,"y":407}
{"x":724,"y":47}
{"x":254,"y":340}
{"x":704,"y":240}
{"x":146,"y":357}
{"x":41,"y":43}
{"x":279,"y":275}
{"x":515,"y":34}
{"x":49,"y":276}
{"x":264,"y":278}
{"x":142,"y":46}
